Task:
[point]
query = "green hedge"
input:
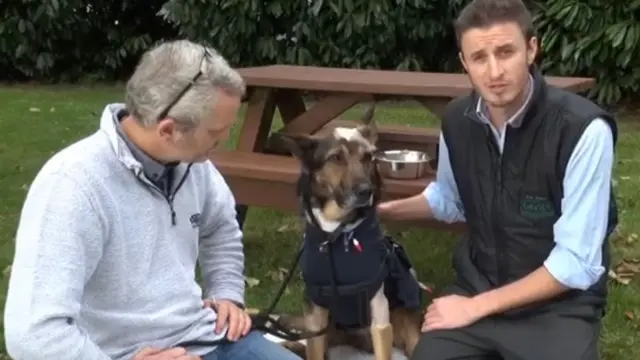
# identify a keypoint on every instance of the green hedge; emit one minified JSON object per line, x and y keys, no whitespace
{"x":72,"y":40}
{"x":592,"y":38}
{"x":61,"y":40}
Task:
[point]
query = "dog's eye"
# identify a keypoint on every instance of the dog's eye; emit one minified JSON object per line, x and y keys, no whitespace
{"x":335,"y":157}
{"x":367,"y":157}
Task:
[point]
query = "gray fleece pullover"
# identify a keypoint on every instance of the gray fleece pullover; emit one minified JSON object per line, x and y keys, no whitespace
{"x":100,"y":271}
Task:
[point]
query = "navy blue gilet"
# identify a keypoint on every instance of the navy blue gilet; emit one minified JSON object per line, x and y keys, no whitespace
{"x":364,"y":259}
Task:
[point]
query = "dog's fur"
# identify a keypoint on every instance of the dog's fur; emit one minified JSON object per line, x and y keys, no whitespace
{"x":339,"y":166}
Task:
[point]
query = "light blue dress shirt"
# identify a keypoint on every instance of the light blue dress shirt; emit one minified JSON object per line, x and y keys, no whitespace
{"x":576,"y":259}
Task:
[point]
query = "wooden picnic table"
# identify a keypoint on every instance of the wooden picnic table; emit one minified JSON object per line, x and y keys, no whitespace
{"x":258,"y":171}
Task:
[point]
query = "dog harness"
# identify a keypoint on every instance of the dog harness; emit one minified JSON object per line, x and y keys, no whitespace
{"x":364,"y":259}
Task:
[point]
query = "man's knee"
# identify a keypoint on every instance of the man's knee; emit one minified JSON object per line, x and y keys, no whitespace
{"x":260,"y":348}
{"x":451,"y":345}
{"x":549,"y":336}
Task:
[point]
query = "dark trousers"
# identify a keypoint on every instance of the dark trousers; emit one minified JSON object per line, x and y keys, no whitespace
{"x":557,"y":335}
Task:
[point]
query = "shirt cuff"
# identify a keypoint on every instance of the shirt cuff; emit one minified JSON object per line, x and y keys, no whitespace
{"x":230,"y":295}
{"x":443,"y":208}
{"x":571,"y":271}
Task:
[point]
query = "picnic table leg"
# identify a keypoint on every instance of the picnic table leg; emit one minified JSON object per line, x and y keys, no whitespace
{"x":255,"y":131}
{"x":241,"y":214}
{"x":435,"y":104}
{"x":298,"y":119}
{"x":290,"y":104}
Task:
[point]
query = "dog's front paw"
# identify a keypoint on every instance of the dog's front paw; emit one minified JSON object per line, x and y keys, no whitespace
{"x":296,"y":347}
{"x":359,"y":339}
{"x":294,"y":323}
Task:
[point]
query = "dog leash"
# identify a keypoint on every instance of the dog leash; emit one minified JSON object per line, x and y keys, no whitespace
{"x":264,"y":320}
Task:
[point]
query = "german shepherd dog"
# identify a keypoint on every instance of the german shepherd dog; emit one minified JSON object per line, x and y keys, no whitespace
{"x":378,"y":305}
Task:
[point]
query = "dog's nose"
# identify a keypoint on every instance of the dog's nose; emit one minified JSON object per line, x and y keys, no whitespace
{"x":364,"y":190}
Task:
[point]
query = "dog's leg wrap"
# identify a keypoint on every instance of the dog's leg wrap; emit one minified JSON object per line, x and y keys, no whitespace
{"x":316,"y":348}
{"x":316,"y":319}
{"x":382,"y":338}
{"x":381,"y":328}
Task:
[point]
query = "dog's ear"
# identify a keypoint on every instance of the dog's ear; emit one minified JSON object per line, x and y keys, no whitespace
{"x":367,"y":117}
{"x":300,"y":146}
{"x":369,"y":129}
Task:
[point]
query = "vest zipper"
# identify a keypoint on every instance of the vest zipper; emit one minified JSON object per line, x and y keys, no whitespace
{"x":499,"y":240}
{"x":501,"y":245}
{"x":499,"y":233}
{"x":173,"y":195}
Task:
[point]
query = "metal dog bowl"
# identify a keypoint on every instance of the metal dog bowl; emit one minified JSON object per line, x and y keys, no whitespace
{"x":403,"y":164}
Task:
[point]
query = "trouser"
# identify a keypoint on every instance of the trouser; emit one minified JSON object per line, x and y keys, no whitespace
{"x":254,"y":346}
{"x":557,"y":335}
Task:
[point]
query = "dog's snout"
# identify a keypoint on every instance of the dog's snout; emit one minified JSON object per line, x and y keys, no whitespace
{"x":364,"y":190}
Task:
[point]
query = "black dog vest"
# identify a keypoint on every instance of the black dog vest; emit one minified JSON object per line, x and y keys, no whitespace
{"x":364,"y":259}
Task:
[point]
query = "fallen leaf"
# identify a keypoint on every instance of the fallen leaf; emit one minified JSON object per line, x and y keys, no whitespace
{"x":251,"y":282}
{"x":52,"y":109}
{"x":251,"y":311}
{"x":619,"y":279}
{"x":283,"y":228}
{"x":34,"y":109}
{"x":7,"y":271}
{"x":625,"y":177}
{"x":617,"y":233}
{"x":627,"y":267}
{"x":625,"y":271}
{"x":630,"y":315}
{"x":278,"y":275}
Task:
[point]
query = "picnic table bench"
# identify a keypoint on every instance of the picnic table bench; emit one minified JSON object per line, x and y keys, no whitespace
{"x":261,"y":173}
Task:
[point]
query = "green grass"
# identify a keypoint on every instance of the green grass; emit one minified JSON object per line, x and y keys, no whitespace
{"x":38,"y":121}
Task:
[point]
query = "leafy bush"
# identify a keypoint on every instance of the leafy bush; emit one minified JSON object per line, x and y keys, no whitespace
{"x":592,"y":38}
{"x":68,"y":40}
{"x":383,"y":34}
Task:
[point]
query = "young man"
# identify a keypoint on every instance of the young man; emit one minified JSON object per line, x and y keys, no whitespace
{"x":528,"y":168}
{"x":113,"y":225}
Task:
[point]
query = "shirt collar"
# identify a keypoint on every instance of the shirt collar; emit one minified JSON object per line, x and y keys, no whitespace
{"x":153,"y":170}
{"x":516,"y":119}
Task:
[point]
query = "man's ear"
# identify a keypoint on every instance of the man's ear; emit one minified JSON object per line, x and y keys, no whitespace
{"x":369,"y":130}
{"x":166,"y":128}
{"x":532,"y":46}
{"x":464,"y":63}
{"x":300,"y":146}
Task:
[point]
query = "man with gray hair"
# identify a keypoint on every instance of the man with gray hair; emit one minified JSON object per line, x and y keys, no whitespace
{"x":113,"y":225}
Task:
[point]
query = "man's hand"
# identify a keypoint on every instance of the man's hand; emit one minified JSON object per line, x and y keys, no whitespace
{"x":177,"y":353}
{"x":228,"y":313}
{"x":415,"y":207}
{"x":385,"y":210}
{"x":450,"y":312}
{"x":384,"y":207}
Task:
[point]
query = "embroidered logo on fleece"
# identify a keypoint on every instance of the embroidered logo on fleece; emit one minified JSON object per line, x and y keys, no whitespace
{"x":195,"y":220}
